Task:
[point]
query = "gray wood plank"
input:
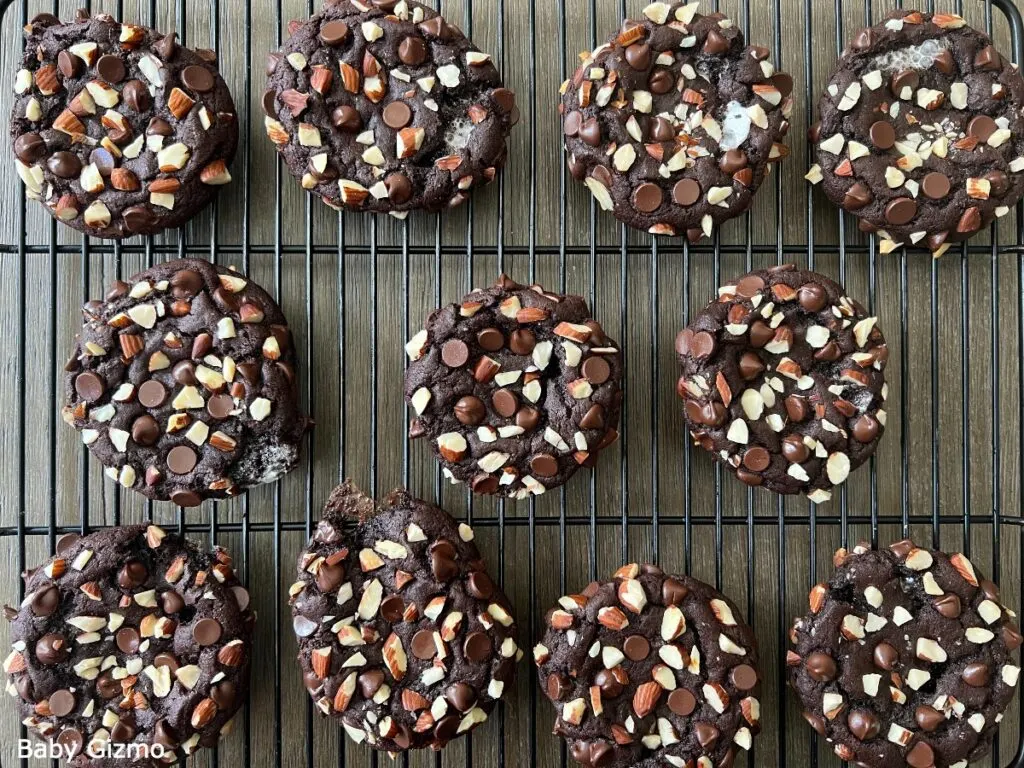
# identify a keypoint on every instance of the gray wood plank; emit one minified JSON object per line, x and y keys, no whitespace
{"x":353,"y":307}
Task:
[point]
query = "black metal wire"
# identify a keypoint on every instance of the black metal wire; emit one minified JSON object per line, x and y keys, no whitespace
{"x":628,"y":255}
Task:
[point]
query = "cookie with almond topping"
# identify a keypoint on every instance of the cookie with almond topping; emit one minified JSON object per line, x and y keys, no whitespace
{"x":675,"y":122}
{"x":117,"y":129}
{"x":384,"y":106}
{"x":515,"y":388}
{"x":920,"y":133}
{"x":182,"y":383}
{"x":783,"y":381}
{"x":649,"y":670}
{"x":906,"y":658}
{"x":134,"y":638}
{"x":403,"y":636}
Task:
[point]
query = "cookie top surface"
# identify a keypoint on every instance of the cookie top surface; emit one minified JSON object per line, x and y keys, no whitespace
{"x":650,"y":670}
{"x":403,"y":636}
{"x":515,"y":388}
{"x":905,"y":658}
{"x":134,"y":636}
{"x":674,"y":122}
{"x":182,"y":383}
{"x":383,"y":106}
{"x":117,"y":129}
{"x":783,"y":381}
{"x":921,"y":134}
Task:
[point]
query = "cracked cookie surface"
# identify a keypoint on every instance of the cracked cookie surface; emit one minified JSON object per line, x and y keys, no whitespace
{"x":675,"y":122}
{"x":515,"y":388}
{"x":119,"y":130}
{"x":905,"y":658}
{"x":920,"y":133}
{"x":783,"y":381}
{"x":131,"y":636}
{"x":651,"y":670}
{"x":182,"y":383}
{"x":384,"y":106}
{"x":403,"y":636}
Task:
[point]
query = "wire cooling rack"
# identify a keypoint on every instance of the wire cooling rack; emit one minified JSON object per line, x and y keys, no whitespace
{"x":355,"y":288}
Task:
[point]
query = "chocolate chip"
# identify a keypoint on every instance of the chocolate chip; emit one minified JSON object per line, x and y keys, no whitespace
{"x":866,"y":428}
{"x":69,"y":64}
{"x":470,"y":410}
{"x":863,"y":724}
{"x":900,"y":211}
{"x":744,"y":677}
{"x":927,"y":718}
{"x":590,"y":132}
{"x":750,"y":366}
{"x":982,"y":127}
{"x":935,"y":185}
{"x":528,"y":418}
{"x":544,"y":465}
{"x":886,"y":656}
{"x":976,"y":675}
{"x":673,"y":592}
{"x":399,"y":188}
{"x":682,"y":702}
{"x":65,"y":165}
{"x":152,"y":393}
{"x":756,"y":459}
{"x":883,"y":134}
{"x":397,"y":115}
{"x":181,"y":460}
{"x":592,"y":419}
{"x":455,"y":353}
{"x":716,"y":43}
{"x":637,"y":648}
{"x":127,"y":640}
{"x":821,"y":667}
{"x":423,"y":646}
{"x":172,"y":602}
{"x":370,"y":682}
{"x":505,"y":403}
{"x":89,"y":386}
{"x":490,"y":339}
{"x":907,"y":78}
{"x":921,"y":755}
{"x":392,"y":609}
{"x":62,"y":703}
{"x":111,"y":68}
{"x":333,"y":32}
{"x":29,"y":147}
{"x":733,"y":160}
{"x":858,"y":196}
{"x":638,"y":56}
{"x":206,"y":632}
{"x":52,"y":649}
{"x":479,"y":585}
{"x":198,"y":78}
{"x":412,"y":51}
{"x":347,"y":118}
{"x":647,"y":197}
{"x":948,"y":605}
{"x":522,"y":341}
{"x":596,"y":370}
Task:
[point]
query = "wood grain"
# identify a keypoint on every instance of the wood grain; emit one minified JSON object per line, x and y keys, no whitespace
{"x":355,"y":288}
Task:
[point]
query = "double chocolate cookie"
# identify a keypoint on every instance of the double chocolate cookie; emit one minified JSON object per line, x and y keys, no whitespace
{"x":651,"y":670}
{"x":783,"y":381}
{"x":182,"y":383}
{"x":905,"y":658}
{"x":921,"y":133}
{"x":674,"y":123}
{"x":117,"y":129}
{"x":130,"y":636}
{"x":515,"y":388}
{"x":403,"y":637}
{"x":383,"y":106}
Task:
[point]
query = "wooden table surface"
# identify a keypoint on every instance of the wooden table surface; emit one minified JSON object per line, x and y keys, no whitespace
{"x":355,"y":288}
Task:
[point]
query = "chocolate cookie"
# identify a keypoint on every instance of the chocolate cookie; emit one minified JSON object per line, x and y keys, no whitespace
{"x":117,"y":129}
{"x":383,"y":106}
{"x":515,"y":388}
{"x":921,"y":134}
{"x":651,"y":670}
{"x":674,"y":122}
{"x":130,"y":636}
{"x":905,"y":659}
{"x":182,"y":383}
{"x":783,"y":381}
{"x":403,"y":637}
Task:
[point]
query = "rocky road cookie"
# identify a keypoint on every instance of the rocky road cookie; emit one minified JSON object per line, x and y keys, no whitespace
{"x":130,"y":636}
{"x":921,"y":134}
{"x":905,"y":658}
{"x":383,"y":106}
{"x":515,"y":388}
{"x":117,"y":129}
{"x":403,"y":637}
{"x":674,"y":122}
{"x":651,"y":670}
{"x":182,"y":383}
{"x":783,"y":381}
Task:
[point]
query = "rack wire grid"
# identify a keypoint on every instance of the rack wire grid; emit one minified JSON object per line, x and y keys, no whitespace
{"x":356,"y":287}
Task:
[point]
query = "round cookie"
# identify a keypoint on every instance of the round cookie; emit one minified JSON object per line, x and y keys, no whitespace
{"x":921,"y":135}
{"x":650,"y":670}
{"x":383,"y":106}
{"x":783,"y":381}
{"x":515,"y":388}
{"x":130,"y":638}
{"x":117,"y":129}
{"x":674,"y":123}
{"x":182,"y":383}
{"x":403,"y":636}
{"x":905,"y":658}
